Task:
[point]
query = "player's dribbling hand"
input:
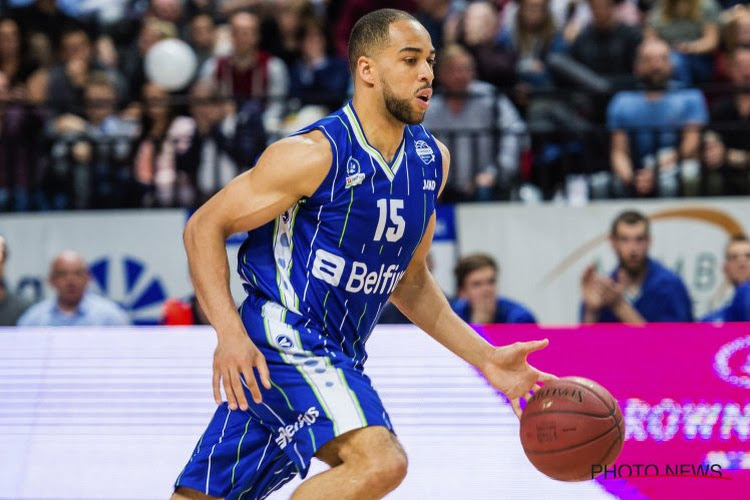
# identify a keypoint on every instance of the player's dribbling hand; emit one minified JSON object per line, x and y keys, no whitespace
{"x":510,"y":373}
{"x":234,"y":359}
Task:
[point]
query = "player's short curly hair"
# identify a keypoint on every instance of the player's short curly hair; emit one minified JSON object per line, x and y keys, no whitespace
{"x":371,"y":32}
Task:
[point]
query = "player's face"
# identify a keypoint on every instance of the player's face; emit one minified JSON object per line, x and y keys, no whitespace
{"x":405,"y":69}
{"x":70,"y":278}
{"x":480,"y":286}
{"x":631,"y":243}
{"x":737,"y":266}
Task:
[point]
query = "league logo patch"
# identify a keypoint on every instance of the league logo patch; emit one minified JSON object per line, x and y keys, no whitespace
{"x":353,"y":175}
{"x":424,"y":151}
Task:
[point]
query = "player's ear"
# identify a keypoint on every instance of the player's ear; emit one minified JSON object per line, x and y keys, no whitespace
{"x":366,"y":69}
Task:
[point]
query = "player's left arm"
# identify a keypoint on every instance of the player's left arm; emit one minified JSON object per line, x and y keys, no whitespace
{"x":420,"y":298}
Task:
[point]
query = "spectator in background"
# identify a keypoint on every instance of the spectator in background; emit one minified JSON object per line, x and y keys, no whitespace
{"x":20,"y":131}
{"x":655,"y":131}
{"x":739,"y":309}
{"x":464,"y":116}
{"x":203,"y":37}
{"x":478,"y":301}
{"x":250,"y":73}
{"x":639,"y":289}
{"x":726,"y":150}
{"x":532,"y":36}
{"x":152,"y":32}
{"x":607,"y":46}
{"x":280,"y":30}
{"x":73,"y":305}
{"x":736,"y":270}
{"x":12,"y":306}
{"x":691,"y":28}
{"x":170,"y":11}
{"x":43,"y":18}
{"x":153,"y":166}
{"x":318,"y":77}
{"x":65,"y":81}
{"x":350,"y":12}
{"x":13,"y":64}
{"x":495,"y":59}
{"x":215,"y":143}
{"x":735,"y":34}
{"x":435,"y":15}
{"x":93,"y":153}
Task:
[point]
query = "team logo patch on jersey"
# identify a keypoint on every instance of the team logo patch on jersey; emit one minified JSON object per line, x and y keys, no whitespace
{"x":353,"y":175}
{"x":424,"y":151}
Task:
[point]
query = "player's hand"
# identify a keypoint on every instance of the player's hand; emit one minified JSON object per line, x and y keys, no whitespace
{"x":510,"y":373}
{"x":234,"y":359}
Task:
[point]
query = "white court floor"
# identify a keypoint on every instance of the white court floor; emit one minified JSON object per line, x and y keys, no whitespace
{"x":115,"y":414}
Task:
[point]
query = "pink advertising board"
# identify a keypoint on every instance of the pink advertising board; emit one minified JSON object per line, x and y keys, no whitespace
{"x":684,"y":390}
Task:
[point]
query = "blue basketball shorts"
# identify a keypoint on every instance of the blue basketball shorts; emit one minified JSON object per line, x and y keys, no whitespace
{"x":317,"y":394}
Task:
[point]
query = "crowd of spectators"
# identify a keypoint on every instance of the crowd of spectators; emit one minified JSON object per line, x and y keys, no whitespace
{"x":536,"y":98}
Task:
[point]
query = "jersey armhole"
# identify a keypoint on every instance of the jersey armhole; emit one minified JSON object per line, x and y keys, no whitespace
{"x":328,"y":181}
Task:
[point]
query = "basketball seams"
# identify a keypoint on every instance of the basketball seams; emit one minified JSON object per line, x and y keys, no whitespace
{"x":612,"y":409}
{"x":577,"y":412}
{"x":573,"y":447}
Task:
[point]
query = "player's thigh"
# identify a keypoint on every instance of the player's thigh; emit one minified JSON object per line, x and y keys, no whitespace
{"x":363,"y":445}
{"x":183,"y":493}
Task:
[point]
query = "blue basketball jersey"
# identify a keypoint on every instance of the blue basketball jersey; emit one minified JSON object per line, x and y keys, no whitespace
{"x":335,"y":257}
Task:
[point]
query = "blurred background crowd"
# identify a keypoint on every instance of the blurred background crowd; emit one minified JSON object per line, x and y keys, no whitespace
{"x":538,"y":99}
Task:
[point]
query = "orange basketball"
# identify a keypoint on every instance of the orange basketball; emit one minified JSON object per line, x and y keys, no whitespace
{"x":569,"y":427}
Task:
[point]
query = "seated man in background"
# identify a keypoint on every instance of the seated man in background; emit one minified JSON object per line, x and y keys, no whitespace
{"x":72,"y":306}
{"x":640,"y":289}
{"x":736,"y":270}
{"x":726,"y":151}
{"x":480,"y":126}
{"x":12,"y":305}
{"x":478,"y":301}
{"x":607,"y":45}
{"x":655,"y":131}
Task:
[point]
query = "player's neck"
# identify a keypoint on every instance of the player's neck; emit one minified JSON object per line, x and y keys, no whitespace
{"x":382,"y":131}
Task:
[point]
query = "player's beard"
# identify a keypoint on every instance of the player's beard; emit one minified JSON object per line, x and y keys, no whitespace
{"x":399,"y":108}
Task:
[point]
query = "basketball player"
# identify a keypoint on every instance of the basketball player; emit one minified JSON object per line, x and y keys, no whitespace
{"x":340,"y":218}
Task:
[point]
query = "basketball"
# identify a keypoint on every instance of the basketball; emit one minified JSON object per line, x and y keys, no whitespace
{"x":571,"y":429}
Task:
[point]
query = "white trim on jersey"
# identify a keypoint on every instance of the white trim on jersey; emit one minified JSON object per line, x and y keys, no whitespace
{"x":339,"y":403}
{"x":390,"y":171}
{"x":282,"y":256}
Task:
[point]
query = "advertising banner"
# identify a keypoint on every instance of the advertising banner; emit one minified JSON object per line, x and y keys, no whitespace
{"x":684,"y":390}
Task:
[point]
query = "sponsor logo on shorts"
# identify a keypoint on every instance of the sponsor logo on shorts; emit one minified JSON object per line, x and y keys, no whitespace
{"x":287,"y":432}
{"x":284,"y":342}
{"x":330,"y":268}
{"x":429,"y":184}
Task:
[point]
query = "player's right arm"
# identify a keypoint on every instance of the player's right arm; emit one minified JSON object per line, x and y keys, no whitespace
{"x":288,"y":170}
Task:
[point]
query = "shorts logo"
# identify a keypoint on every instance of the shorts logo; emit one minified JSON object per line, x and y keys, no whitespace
{"x":287,"y":432}
{"x":284,"y":342}
{"x":425,"y":152}
{"x":353,"y":175}
{"x":428,"y":184}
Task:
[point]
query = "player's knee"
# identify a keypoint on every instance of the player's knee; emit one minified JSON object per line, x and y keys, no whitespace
{"x":387,"y":468}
